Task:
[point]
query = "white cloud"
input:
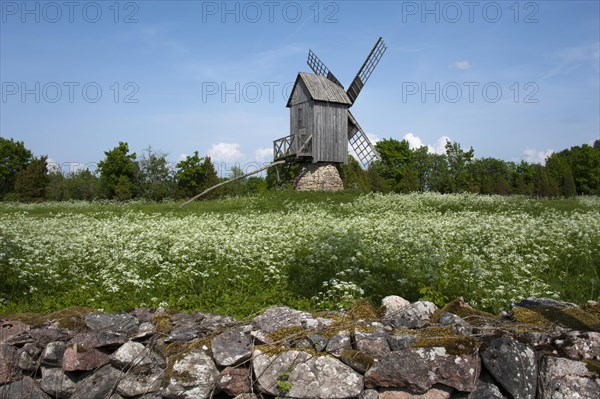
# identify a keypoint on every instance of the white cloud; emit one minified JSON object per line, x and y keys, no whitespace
{"x":373,"y":138}
{"x":263,"y":154}
{"x":438,"y":148}
{"x":462,"y":65}
{"x":226,"y":152}
{"x":537,"y":156}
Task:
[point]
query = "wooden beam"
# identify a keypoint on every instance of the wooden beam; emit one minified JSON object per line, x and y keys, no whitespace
{"x":229,"y":181}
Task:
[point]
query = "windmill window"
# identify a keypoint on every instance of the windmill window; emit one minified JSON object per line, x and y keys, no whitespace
{"x":300,"y":124}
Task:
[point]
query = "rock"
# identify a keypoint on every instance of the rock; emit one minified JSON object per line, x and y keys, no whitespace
{"x":560,"y":378}
{"x":114,"y":322}
{"x":26,"y":388}
{"x":193,"y":376}
{"x":8,"y":364}
{"x":535,"y":338}
{"x":56,"y":383}
{"x":392,"y":306}
{"x":99,"y":384}
{"x":297,"y":374}
{"x":261,"y":338}
{"x":339,"y":343}
{"x":53,"y":354}
{"x":231,"y":348}
{"x":234,"y":381}
{"x":145,"y":330}
{"x":246,"y":396}
{"x":212,"y":323}
{"x":513,"y":365}
{"x":372,"y":343}
{"x":437,"y":392}
{"x":359,"y":361}
{"x":316,"y":324}
{"x":543,"y":302}
{"x":141,"y":379}
{"x":100,"y":339}
{"x":81,"y":358}
{"x":459,"y":326}
{"x":27,"y":357}
{"x":580,"y":345}
{"x":131,"y":354}
{"x":415,"y":315}
{"x":485,"y":390}
{"x":276,"y":318}
{"x":43,"y":336}
{"x":318,"y":342}
{"x":401,"y":341}
{"x":369,"y":394}
{"x":417,"y":370}
{"x":318,"y":176}
{"x":10,"y":329}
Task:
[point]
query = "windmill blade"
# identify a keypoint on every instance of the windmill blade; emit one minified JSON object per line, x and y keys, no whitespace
{"x":320,"y":69}
{"x":366,"y":70}
{"x":360,"y":143}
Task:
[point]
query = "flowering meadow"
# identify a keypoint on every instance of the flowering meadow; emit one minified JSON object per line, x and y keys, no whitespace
{"x":311,"y":251}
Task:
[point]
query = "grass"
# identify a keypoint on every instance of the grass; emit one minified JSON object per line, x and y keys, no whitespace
{"x":311,"y":251}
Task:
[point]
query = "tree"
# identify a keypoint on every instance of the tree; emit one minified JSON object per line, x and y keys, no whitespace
{"x":282,"y":176}
{"x":83,"y":185}
{"x":31,"y":182}
{"x":56,"y":190}
{"x":118,"y":162}
{"x":377,"y":182}
{"x":353,"y":176}
{"x":491,"y":176}
{"x":523,"y":179}
{"x":397,"y":165}
{"x":14,"y":157}
{"x":156,"y":180}
{"x":123,"y":189}
{"x":195,"y":174}
{"x":458,"y":160}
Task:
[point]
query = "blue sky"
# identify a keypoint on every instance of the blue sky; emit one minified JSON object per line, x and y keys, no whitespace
{"x":514,"y":80}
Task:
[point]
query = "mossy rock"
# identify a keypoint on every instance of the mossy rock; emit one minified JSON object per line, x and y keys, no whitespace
{"x":569,"y":317}
{"x":593,"y":309}
{"x":163,"y":323}
{"x":593,"y":366}
{"x":274,"y":350}
{"x":363,"y":310}
{"x":454,"y":345}
{"x":358,"y":360}
{"x":463,"y":310}
{"x":178,"y":350}
{"x":287,"y":333}
{"x":72,"y":318}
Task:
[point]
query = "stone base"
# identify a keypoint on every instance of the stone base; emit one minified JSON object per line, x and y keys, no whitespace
{"x":318,"y":176}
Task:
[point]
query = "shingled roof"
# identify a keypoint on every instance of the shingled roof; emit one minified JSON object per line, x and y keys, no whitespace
{"x":321,"y":89}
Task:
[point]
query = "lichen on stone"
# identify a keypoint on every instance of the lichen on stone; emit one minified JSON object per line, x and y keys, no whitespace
{"x":463,"y":310}
{"x":570,"y":317}
{"x":286,"y":333}
{"x":72,"y":318}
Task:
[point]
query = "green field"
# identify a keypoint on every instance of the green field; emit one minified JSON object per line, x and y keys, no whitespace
{"x":310,"y":251}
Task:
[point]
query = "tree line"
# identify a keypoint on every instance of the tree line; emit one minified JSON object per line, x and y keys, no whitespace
{"x":122,"y":175}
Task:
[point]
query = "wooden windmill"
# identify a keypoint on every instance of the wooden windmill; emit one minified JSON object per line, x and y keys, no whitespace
{"x":321,"y":124}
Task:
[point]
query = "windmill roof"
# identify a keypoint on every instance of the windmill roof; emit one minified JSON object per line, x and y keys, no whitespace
{"x":321,"y":89}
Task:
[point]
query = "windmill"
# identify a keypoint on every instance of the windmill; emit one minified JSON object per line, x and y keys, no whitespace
{"x":321,"y":124}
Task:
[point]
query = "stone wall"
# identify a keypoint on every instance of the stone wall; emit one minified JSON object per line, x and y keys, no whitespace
{"x":541,"y":349}
{"x":318,"y":177}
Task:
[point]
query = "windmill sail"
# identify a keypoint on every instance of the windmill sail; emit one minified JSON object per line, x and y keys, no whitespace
{"x":320,"y":69}
{"x":366,"y":70}
{"x":360,"y":143}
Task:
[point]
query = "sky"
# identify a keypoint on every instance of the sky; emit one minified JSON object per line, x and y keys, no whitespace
{"x":515,"y":80}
